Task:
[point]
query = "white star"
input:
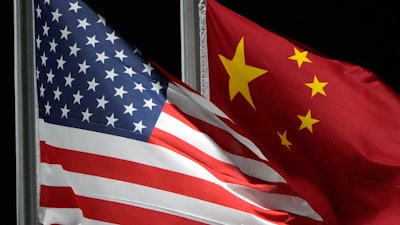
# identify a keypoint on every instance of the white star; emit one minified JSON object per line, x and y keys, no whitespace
{"x":92,"y":41}
{"x":102,"y":102}
{"x":47,"y":107}
{"x":42,"y":89}
{"x":65,"y":33}
{"x":38,"y":12}
{"x":111,"y":37}
{"x":156,"y":87}
{"x":83,"y":67}
{"x":45,"y":29}
{"x":120,"y":55}
{"x":101,"y":19}
{"x":136,"y":50}
{"x":147,"y":68}
{"x":56,"y":15}
{"x":50,"y":76}
{"x":101,"y":57}
{"x":86,"y":115}
{"x":38,"y":42}
{"x":61,"y":63}
{"x":74,"y":50}
{"x":53,"y":45}
{"x":139,"y":127}
{"x":74,"y":6}
{"x":92,"y":85}
{"x":37,"y":73}
{"x":149,"y":103}
{"x":68,"y":80}
{"x":111,"y":74}
{"x":47,"y":1}
{"x":139,"y":87}
{"x":83,"y":23}
{"x":129,"y":71}
{"x":129,"y":109}
{"x":111,"y":120}
{"x":44,"y":58}
{"x":57,"y":94}
{"x":65,"y":111}
{"x":120,"y":91}
{"x":77,"y":97}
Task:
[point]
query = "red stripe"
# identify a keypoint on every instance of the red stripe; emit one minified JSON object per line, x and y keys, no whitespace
{"x":112,"y":212}
{"x":154,"y":177}
{"x":221,"y":170}
{"x":57,"y":197}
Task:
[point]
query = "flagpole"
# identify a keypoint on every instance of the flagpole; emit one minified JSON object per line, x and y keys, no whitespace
{"x":189,"y":18}
{"x":25,"y":120}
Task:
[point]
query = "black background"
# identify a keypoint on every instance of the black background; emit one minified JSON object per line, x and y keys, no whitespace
{"x":366,"y":34}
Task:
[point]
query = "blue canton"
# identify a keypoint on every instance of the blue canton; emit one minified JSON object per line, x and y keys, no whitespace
{"x":90,"y":78}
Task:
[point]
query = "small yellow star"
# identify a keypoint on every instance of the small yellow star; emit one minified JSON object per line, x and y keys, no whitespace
{"x":300,"y":57}
{"x":317,"y":87}
{"x":307,"y":121}
{"x":284,"y":140}
{"x":240,"y":74}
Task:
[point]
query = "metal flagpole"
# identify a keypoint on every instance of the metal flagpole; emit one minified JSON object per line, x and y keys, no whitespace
{"x":25,"y":119}
{"x":189,"y":43}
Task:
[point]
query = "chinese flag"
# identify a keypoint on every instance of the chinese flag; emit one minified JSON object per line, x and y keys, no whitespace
{"x":330,"y":127}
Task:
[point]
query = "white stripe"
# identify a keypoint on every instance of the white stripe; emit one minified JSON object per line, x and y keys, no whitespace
{"x":121,"y":148}
{"x":177,"y":95}
{"x":202,"y":101}
{"x":150,"y":198}
{"x":65,"y":216}
{"x":154,"y":155}
{"x":205,"y":144}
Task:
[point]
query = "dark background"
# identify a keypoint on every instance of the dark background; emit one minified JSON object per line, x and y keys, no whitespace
{"x":365,"y":34}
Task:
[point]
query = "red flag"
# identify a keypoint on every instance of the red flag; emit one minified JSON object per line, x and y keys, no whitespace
{"x":330,"y":127}
{"x":123,"y":142}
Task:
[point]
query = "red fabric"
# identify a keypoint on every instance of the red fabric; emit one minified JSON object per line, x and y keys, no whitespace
{"x":348,"y":166}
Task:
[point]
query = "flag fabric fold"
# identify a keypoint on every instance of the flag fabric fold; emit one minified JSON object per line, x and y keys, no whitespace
{"x":331,"y":128}
{"x":124,"y":142}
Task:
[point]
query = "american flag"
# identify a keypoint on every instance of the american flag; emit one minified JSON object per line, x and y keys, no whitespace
{"x":124,"y":142}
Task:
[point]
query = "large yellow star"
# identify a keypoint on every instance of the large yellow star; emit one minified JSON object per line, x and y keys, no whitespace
{"x":300,"y":57}
{"x":284,"y":140}
{"x":317,"y":87}
{"x":240,"y":74}
{"x":307,"y":121}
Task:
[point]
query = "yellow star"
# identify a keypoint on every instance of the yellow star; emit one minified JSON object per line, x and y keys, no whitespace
{"x":240,"y":74}
{"x":300,"y":57}
{"x":284,"y":140}
{"x":317,"y":87}
{"x":307,"y":121}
